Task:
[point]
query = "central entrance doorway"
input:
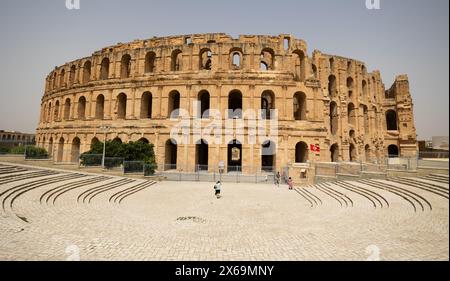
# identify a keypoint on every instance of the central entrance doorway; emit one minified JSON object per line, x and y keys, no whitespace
{"x":234,"y":156}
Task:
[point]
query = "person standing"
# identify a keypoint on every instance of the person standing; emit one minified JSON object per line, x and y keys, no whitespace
{"x":277,"y":179}
{"x":290,"y":183}
{"x":217,"y":188}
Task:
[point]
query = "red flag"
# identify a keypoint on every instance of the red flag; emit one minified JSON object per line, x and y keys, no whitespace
{"x":315,"y":148}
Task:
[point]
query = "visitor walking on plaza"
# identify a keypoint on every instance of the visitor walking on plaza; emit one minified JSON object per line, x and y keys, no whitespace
{"x":217,"y":188}
{"x":290,"y":183}
{"x":277,"y":179}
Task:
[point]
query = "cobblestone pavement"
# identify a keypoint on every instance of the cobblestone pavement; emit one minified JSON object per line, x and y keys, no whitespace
{"x":61,"y":215}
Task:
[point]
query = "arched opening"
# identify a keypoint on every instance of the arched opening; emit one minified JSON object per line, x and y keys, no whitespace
{"x":121,"y":106}
{"x":364,"y":89}
{"x":117,"y":139}
{"x":301,"y":152}
{"x":55,"y":111}
{"x":334,"y":152}
{"x":331,"y":61}
{"x":393,"y":151}
{"x":50,"y":147}
{"x":174,"y":104}
{"x":201,"y":155}
{"x":300,"y":106}
{"x":104,"y":69}
{"x":75,"y":152}
{"x":60,"y":150}
{"x":268,"y":153}
{"x":54,"y":80}
{"x":94,"y":141}
{"x":125,"y":66}
{"x":171,"y":155}
{"x":205,"y":59}
{"x":332,"y":89}
{"x":146,"y":105}
{"x":44,"y":113}
{"x":72,"y":75}
{"x":391,"y":120}
{"x":366,"y":119}
{"x":234,"y":156}
{"x":204,"y":99}
{"x":367,"y":152}
{"x":144,"y":140}
{"x":235,"y":104}
{"x":150,"y":58}
{"x":333,"y":118}
{"x":267,"y":104}
{"x":267,"y":59}
{"x":176,"y":60}
{"x":235,"y":58}
{"x":351,"y":111}
{"x":314,"y":70}
{"x":352,"y":152}
{"x":67,"y":109}
{"x":82,"y":108}
{"x":62,"y":78}
{"x":352,"y":135}
{"x":87,"y":72}
{"x":350,"y":85}
{"x":300,"y":68}
{"x":99,"y":107}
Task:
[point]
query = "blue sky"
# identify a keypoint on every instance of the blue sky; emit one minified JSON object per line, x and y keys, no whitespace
{"x":404,"y":36}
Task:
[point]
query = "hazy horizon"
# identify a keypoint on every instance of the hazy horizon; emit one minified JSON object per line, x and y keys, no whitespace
{"x":403,"y":37}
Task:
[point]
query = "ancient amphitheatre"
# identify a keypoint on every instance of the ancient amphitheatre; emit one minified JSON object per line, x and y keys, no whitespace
{"x":323,"y":100}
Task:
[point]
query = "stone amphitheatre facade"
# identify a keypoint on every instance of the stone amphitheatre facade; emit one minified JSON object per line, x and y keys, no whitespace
{"x":328,"y":101}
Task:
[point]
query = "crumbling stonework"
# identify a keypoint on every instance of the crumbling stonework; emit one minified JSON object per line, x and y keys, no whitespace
{"x":323,"y":100}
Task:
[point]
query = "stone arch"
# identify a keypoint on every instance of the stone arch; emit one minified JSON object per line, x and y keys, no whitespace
{"x":125,"y":66}
{"x":366,"y":121}
{"x":49,"y":113}
{"x":351,"y":111}
{"x":50,"y":146}
{"x":334,"y":122}
{"x":72,"y":75}
{"x":121,"y":106}
{"x":234,"y":159}
{"x":150,"y":59}
{"x":334,"y":152}
{"x":314,"y":70}
{"x":75,"y":151}
{"x":176,"y":61}
{"x":268,"y":155}
{"x":364,"y":88}
{"x":350,"y":85}
{"x":104,"y":69}
{"x":144,"y":140}
{"x":236,"y":56}
{"x":235,"y":104}
{"x":267,"y":104}
{"x":174,"y":104}
{"x":171,"y":151}
{"x":204,"y":100}
{"x":67,"y":108}
{"x":391,"y":120}
{"x":393,"y":151}
{"x":205,"y":59}
{"x":267,"y":59}
{"x":87,"y":71}
{"x":117,"y":139}
{"x":60,"y":155}
{"x":352,"y":153}
{"x":300,"y":65}
{"x":82,"y":107}
{"x":367,"y":152}
{"x":299,"y":106}
{"x":301,"y":152}
{"x":332,"y":86}
{"x":62,"y":77}
{"x":100,"y":107}
{"x":201,"y":155}
{"x":146,"y":105}
{"x":94,"y":141}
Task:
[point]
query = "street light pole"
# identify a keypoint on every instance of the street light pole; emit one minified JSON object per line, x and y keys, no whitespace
{"x":105,"y":129}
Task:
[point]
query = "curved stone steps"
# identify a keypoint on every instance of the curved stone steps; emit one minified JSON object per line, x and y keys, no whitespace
{"x":339,"y":196}
{"x":120,"y":196}
{"x":326,"y":192}
{"x":422,"y":186}
{"x":359,"y":191}
{"x":30,"y":175}
{"x":105,"y":187}
{"x":306,"y":197}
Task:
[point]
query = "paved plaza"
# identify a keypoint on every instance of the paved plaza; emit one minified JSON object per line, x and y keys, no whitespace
{"x":49,"y":214}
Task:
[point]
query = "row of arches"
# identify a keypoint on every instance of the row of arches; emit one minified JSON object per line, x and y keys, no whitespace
{"x":267,"y":62}
{"x":235,"y":104}
{"x":333,"y":87}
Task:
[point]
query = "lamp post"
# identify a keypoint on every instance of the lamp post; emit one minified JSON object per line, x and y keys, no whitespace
{"x":105,"y":129}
